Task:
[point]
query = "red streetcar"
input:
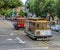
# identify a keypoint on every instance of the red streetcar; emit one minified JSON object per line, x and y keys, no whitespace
{"x":19,"y":23}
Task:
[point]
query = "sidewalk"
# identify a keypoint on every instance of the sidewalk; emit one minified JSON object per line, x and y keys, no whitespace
{"x":4,"y":24}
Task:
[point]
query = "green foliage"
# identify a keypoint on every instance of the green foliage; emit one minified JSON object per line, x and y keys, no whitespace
{"x":11,"y":3}
{"x":2,"y":11}
{"x":21,"y":13}
{"x":25,"y":14}
{"x":6,"y":6}
{"x":42,"y":7}
{"x":1,"y":4}
{"x":58,"y":8}
{"x":30,"y":4}
{"x":8,"y":13}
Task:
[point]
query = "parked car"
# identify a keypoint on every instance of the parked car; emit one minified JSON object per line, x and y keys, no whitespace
{"x":55,"y":27}
{"x":58,"y":28}
{"x":8,"y":18}
{"x":12,"y":18}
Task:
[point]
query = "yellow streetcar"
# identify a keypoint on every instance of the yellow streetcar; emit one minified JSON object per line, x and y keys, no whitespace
{"x":38,"y":28}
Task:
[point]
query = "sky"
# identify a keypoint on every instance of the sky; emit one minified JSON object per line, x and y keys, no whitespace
{"x":23,"y":1}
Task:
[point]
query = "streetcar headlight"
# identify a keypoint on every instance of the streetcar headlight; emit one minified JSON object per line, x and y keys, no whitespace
{"x":43,"y":33}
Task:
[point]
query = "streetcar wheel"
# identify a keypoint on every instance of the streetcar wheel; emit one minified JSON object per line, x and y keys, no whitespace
{"x":17,"y":28}
{"x":34,"y":38}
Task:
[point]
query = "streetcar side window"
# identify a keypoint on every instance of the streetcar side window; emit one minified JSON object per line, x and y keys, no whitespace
{"x":38,"y":26}
{"x":42,"y":25}
{"x":31,"y":26}
{"x":45,"y":26}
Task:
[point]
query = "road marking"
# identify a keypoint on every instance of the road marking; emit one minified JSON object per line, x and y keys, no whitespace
{"x":20,"y":41}
{"x":14,"y":49}
{"x":2,"y":35}
{"x":33,"y":48}
{"x":37,"y":48}
{"x":9,"y":39}
{"x":11,"y":34}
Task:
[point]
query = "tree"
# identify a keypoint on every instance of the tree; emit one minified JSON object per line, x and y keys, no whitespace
{"x":30,"y":5}
{"x":1,"y":4}
{"x":42,"y":7}
{"x":12,"y":3}
{"x":6,"y":5}
{"x":58,"y":8}
{"x":39,"y":7}
{"x":22,"y":13}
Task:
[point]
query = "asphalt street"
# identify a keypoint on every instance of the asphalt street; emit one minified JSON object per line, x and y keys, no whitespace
{"x":11,"y":39}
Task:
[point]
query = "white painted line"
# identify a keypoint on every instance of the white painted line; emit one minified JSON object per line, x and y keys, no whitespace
{"x":37,"y":48}
{"x":2,"y":35}
{"x":20,"y":41}
{"x":14,"y":49}
{"x":9,"y":39}
{"x":33,"y":48}
{"x":11,"y":34}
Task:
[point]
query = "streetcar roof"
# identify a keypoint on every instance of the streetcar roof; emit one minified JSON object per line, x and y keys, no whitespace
{"x":36,"y":18}
{"x":38,"y":21}
{"x":20,"y":18}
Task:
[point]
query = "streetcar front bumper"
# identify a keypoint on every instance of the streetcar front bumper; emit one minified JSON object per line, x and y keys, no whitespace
{"x":43,"y":36}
